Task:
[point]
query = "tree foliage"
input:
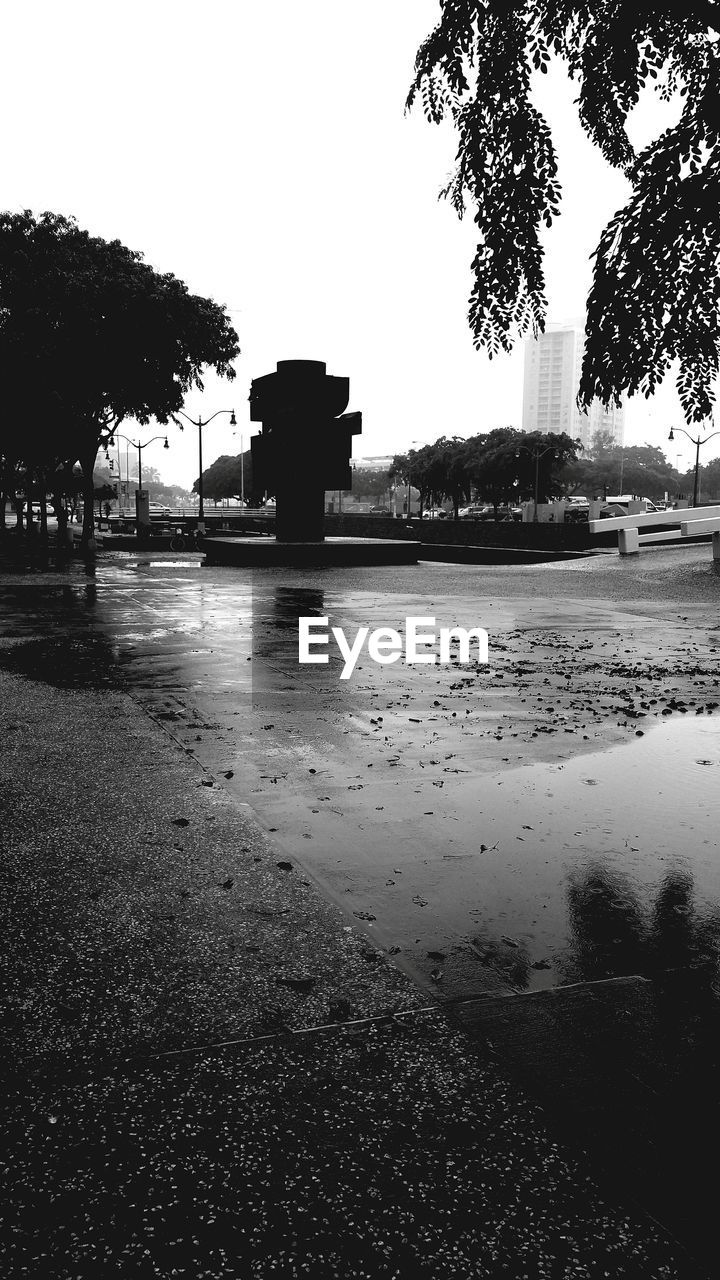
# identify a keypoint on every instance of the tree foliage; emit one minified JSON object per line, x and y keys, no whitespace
{"x":93,"y":335}
{"x":709,"y":481}
{"x":370,"y":482}
{"x":498,"y":466}
{"x":656,"y":285}
{"x":228,"y":477}
{"x":505,"y":464}
{"x":436,"y":470}
{"x":608,"y":469}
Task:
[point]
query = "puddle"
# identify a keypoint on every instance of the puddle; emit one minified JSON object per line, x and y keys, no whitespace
{"x":64,"y":661}
{"x":424,"y":806}
{"x":554,"y":873}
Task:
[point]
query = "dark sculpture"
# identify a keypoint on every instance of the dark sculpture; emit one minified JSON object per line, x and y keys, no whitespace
{"x":305,"y":443}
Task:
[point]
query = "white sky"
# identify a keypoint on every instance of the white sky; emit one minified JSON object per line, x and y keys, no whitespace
{"x":258,"y":150}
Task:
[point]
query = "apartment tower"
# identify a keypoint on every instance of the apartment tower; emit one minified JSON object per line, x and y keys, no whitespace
{"x":550,"y":386}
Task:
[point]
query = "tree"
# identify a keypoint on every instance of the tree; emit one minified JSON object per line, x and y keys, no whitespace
{"x":411,"y":469}
{"x":709,"y":480}
{"x":99,"y":336}
{"x":492,"y":466}
{"x":447,"y":472}
{"x":228,"y":477}
{"x":435,"y":471}
{"x":502,"y":464}
{"x":609,"y":469}
{"x":656,"y":283}
{"x":600,"y":470}
{"x":370,"y":482}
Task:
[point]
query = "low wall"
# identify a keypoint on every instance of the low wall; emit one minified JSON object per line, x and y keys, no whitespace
{"x":472,"y":533}
{"x":557,"y":538}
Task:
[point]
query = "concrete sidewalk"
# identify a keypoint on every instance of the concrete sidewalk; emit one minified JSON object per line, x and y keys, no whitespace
{"x":210,"y":1073}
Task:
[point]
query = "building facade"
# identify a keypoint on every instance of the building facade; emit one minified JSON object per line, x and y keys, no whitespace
{"x":550,"y":385}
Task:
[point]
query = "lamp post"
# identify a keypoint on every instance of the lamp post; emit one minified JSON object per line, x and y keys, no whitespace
{"x":697,"y":442}
{"x":120,"y":479}
{"x":537,"y":453}
{"x":137,"y":445}
{"x":198,"y":422}
{"x":142,"y":516}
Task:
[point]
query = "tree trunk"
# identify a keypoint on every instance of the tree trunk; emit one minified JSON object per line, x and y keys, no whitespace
{"x":61,"y":513}
{"x":87,"y":462}
{"x":29,"y":525}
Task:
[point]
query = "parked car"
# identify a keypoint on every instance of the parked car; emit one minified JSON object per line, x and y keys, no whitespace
{"x":504,"y":514}
{"x":623,"y":499}
{"x":475,"y":513}
{"x":380,"y":511}
{"x":435,"y":513}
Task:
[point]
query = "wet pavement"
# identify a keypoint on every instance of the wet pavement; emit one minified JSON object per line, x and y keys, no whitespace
{"x":545,"y":821}
{"x":464,"y":811}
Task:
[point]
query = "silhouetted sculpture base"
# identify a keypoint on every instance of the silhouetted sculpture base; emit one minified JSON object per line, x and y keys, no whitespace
{"x":271,"y":552}
{"x":302,"y":451}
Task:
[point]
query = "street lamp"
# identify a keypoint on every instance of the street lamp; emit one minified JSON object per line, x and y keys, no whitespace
{"x":537,"y":453}
{"x":198,"y":422}
{"x":136,"y":445}
{"x":697,"y":444}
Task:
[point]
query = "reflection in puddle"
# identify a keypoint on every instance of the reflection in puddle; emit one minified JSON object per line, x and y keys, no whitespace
{"x":555,"y":873}
{"x":582,"y":883}
{"x":614,"y":930}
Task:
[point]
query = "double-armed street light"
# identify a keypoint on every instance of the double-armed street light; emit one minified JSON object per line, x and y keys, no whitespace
{"x":537,"y":453}
{"x":136,"y":444}
{"x":697,"y":442}
{"x":199,"y":423}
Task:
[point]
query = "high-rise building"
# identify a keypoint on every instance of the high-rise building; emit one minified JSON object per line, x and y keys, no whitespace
{"x":550,"y":386}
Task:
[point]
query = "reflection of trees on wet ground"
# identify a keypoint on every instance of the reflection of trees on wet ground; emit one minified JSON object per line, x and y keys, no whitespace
{"x":615,"y":933}
{"x":612,"y":933}
{"x":671,"y":941}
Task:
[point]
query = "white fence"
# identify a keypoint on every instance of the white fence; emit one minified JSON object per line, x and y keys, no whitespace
{"x":681,"y":524}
